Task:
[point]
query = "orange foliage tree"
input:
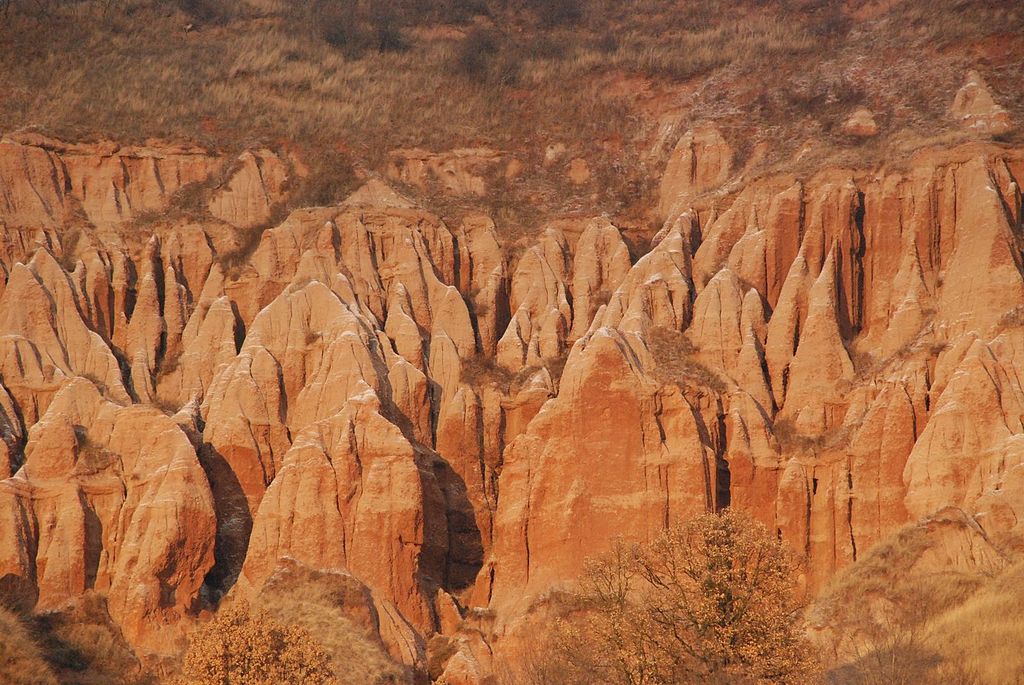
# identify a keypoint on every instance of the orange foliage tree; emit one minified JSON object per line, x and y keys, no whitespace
{"x":713,"y":601}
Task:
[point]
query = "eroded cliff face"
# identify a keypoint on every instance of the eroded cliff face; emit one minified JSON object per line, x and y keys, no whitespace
{"x":456,"y":426}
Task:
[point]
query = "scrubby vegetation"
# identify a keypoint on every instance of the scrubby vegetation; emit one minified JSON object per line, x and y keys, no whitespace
{"x":321,"y":604}
{"x":83,"y":646}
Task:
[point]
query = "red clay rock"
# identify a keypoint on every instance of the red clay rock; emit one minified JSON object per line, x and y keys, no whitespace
{"x":251,"y":192}
{"x":118,"y":503}
{"x":976,"y":110}
{"x":861,"y":124}
{"x":345,"y":389}
{"x":457,"y":172}
{"x":353,"y":494}
{"x":557,"y":487}
{"x":701,"y":160}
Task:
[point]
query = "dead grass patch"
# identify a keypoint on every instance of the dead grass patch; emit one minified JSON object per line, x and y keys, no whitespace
{"x":84,"y":647}
{"x":675,"y":362}
{"x":21,"y":660}
{"x":480,"y":370}
{"x":894,"y":620}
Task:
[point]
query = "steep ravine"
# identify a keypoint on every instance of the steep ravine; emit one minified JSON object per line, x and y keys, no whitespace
{"x":458,"y":426}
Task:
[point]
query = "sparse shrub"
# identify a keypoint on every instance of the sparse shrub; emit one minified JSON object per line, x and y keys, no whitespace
{"x":864,"y":362}
{"x":340,"y":24}
{"x":826,"y":97}
{"x":829,"y":21}
{"x":387,"y":31}
{"x":92,"y":457}
{"x":507,"y":69}
{"x":546,"y":46}
{"x":607,"y":43}
{"x":233,"y":260}
{"x":170,"y":363}
{"x":440,"y":648}
{"x":189,"y":202}
{"x":98,"y":382}
{"x":331,"y":178}
{"x":476,"y":54}
{"x":477,"y":307}
{"x":244,"y":647}
{"x":68,"y":248}
{"x":1011,"y":319}
{"x":484,"y":57}
{"x":481,"y":370}
{"x":352,"y":30}
{"x":460,"y":11}
{"x":712,"y":601}
{"x":169,"y":407}
{"x":206,"y":11}
{"x":674,"y":361}
{"x":792,"y":440}
{"x":556,"y":366}
{"x":557,"y":12}
{"x":539,"y":667}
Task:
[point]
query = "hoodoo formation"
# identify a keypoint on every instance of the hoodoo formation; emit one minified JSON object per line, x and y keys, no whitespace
{"x":207,"y":400}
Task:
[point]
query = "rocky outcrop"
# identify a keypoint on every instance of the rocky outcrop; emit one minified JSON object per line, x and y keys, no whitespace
{"x":456,"y":426}
{"x":976,"y":109}
{"x":46,"y":180}
{"x":701,"y":160}
{"x":110,"y":498}
{"x":861,"y":124}
{"x":353,"y":494}
{"x":613,"y":454}
{"x":254,"y":187}
{"x":462,"y":171}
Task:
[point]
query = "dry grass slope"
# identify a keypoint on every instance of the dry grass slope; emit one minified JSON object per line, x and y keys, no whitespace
{"x":321,"y":604}
{"x":901,"y":615}
{"x":986,"y":632}
{"x":605,"y":77}
{"x":21,"y":662}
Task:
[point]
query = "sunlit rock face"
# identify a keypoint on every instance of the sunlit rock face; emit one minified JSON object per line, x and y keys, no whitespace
{"x":452,"y":425}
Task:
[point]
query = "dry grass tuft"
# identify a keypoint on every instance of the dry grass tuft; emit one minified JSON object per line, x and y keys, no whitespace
{"x":84,"y":647}
{"x":1012,"y":319}
{"x":791,"y":440}
{"x":675,"y":362}
{"x":92,"y":457}
{"x":986,"y":633}
{"x":21,"y":661}
{"x":480,"y":370}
